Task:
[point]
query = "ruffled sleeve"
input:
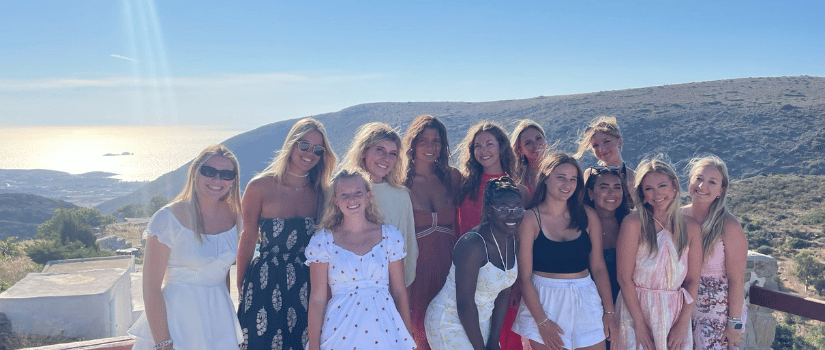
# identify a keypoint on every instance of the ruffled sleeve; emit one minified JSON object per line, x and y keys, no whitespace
{"x":318,"y":249}
{"x":395,"y":243}
{"x":164,"y":226}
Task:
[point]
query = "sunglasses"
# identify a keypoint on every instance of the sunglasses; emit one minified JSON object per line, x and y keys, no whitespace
{"x":210,"y":172}
{"x":518,"y":211}
{"x":606,"y":167}
{"x":317,"y":150}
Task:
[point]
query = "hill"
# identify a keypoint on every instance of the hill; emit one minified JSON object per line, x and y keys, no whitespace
{"x":758,"y":125}
{"x":21,"y":213}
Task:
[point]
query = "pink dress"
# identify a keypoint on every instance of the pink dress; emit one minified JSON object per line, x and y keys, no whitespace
{"x":709,"y":318}
{"x":658,"y":279}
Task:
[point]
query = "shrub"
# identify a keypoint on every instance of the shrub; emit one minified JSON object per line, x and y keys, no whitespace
{"x":813,"y":217}
{"x":9,"y":248}
{"x":134,"y":210}
{"x":808,"y":269}
{"x":764,"y":250}
{"x":44,"y":251}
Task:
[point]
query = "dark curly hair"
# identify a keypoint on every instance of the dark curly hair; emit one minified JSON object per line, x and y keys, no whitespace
{"x":410,"y":143}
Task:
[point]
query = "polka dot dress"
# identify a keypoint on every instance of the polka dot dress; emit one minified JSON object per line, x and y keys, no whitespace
{"x":361,"y":313}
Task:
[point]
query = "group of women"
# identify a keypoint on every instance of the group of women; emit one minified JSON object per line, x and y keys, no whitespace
{"x":520,"y":248}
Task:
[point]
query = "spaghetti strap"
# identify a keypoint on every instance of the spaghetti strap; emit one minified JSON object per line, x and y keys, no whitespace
{"x":538,"y":217}
{"x":486,"y":253}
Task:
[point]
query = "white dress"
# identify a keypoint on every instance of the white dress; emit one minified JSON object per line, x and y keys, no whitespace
{"x":361,"y":313}
{"x":199,"y":311}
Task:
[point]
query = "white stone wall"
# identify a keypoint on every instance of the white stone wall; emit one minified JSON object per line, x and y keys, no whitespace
{"x":761,"y":327}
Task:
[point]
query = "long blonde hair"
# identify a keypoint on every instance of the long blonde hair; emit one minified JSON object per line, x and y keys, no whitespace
{"x":714,"y":224}
{"x":333,"y":217}
{"x":189,"y":194}
{"x":368,"y":135}
{"x":606,"y":125}
{"x":521,"y":173}
{"x":319,"y":175}
{"x":674,"y":215}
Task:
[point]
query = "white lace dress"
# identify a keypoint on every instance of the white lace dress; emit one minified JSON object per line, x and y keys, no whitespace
{"x":361,"y":313}
{"x":199,"y":310}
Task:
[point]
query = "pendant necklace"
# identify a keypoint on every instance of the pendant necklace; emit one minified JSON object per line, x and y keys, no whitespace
{"x":503,"y":263}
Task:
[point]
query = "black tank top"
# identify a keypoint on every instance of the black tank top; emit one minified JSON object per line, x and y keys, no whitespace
{"x":561,"y":257}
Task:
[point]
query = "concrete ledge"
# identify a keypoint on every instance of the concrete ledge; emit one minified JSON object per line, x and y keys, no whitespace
{"x":118,"y":343}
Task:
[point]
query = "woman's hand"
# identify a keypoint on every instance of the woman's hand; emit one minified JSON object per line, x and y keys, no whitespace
{"x":734,"y":337}
{"x":678,"y":334}
{"x":551,"y":335}
{"x":643,"y":337}
{"x":611,"y":326}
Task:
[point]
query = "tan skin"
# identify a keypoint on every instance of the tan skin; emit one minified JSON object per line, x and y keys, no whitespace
{"x":607,"y":197}
{"x":608,"y":150}
{"x":555,"y":219}
{"x":267,"y":198}
{"x":705,"y":186}
{"x":359,"y":236}
{"x":217,"y":218}
{"x":532,"y":145}
{"x":427,"y":191}
{"x":660,"y":192}
{"x":486,"y":152}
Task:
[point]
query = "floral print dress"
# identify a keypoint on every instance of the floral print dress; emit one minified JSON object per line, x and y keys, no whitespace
{"x":275,"y":296}
{"x":710,"y":315}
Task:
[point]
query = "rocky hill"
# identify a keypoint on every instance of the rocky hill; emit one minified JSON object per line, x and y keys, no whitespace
{"x":758,"y":125}
{"x":21,"y":213}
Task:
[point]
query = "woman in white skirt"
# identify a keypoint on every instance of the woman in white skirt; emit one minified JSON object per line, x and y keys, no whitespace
{"x":560,"y":245}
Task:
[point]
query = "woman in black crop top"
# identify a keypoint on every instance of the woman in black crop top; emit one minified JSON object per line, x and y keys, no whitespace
{"x":561,"y":305}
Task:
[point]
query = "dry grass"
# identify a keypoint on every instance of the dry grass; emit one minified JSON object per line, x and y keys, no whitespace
{"x":22,"y":341}
{"x":132,"y":233}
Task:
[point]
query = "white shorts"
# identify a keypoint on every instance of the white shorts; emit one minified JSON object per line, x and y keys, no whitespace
{"x":573,"y":304}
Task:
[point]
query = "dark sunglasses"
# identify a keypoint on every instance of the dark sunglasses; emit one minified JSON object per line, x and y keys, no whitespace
{"x":317,"y":150}
{"x":606,"y":167}
{"x":517,"y":211}
{"x":210,"y":172}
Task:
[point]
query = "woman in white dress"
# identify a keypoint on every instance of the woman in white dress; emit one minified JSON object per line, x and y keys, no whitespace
{"x":191,"y":243}
{"x":360,"y":261}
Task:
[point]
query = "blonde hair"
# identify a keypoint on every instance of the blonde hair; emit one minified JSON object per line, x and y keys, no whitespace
{"x":333,"y":217}
{"x":189,"y":194}
{"x":521,"y":173}
{"x":714,"y":225}
{"x":320,"y":174}
{"x":471,"y":168}
{"x":606,"y":125}
{"x":674,"y":215}
{"x":368,"y":135}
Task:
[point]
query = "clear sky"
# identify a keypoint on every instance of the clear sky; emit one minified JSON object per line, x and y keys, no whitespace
{"x":250,"y":63}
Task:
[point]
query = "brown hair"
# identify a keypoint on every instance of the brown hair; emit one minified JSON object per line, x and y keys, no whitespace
{"x":471,"y":168}
{"x":410,"y":144}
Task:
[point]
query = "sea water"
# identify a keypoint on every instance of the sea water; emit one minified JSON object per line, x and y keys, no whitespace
{"x":134,"y":153}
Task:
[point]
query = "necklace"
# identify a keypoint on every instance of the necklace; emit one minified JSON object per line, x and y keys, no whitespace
{"x":296,"y":175}
{"x":296,"y":188}
{"x":503,"y":263}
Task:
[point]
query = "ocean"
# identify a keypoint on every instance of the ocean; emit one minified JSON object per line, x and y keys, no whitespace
{"x":134,"y":153}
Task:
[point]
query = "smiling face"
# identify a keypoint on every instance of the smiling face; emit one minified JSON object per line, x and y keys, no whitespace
{"x":562,"y":181}
{"x":214,"y":187}
{"x":658,"y":190}
{"x":428,"y":146}
{"x":607,"y":148}
{"x":505,"y":220}
{"x":531,"y":144}
{"x":301,"y":162}
{"x":486,"y":152}
{"x":351,"y":196}
{"x":607,"y":192}
{"x":705,"y":184}
{"x":380,"y":160}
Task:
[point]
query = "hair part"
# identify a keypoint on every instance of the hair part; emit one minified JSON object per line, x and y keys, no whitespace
{"x":471,"y":168}
{"x":627,"y":201}
{"x":714,"y":225}
{"x":410,"y":145}
{"x":333,"y":217}
{"x":674,"y":215}
{"x":578,"y":215}
{"x":603,"y":124}
{"x":320,"y":174}
{"x":369,"y":135}
{"x":189,"y":194}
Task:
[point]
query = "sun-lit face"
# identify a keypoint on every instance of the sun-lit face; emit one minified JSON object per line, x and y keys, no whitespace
{"x":705,"y":184}
{"x":531,"y":144}
{"x":501,"y":218}
{"x":428,"y":146}
{"x":562,"y":182}
{"x":380,"y":159}
{"x":214,"y":187}
{"x":607,"y":192}
{"x":486,"y":152}
{"x":301,"y":162}
{"x":607,"y":148}
{"x":658,"y":191}
{"x":351,"y":196}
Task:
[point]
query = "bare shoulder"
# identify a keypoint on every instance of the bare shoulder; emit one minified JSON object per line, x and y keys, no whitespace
{"x":632,"y":220}
{"x":260,"y":183}
{"x":455,"y":177}
{"x":733,"y":229}
{"x":693,"y":227}
{"x":591,"y":213}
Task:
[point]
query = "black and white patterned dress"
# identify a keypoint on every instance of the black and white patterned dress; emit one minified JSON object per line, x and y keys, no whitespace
{"x":273,"y":305}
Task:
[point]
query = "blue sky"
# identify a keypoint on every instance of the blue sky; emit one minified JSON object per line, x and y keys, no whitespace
{"x":250,"y":63}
